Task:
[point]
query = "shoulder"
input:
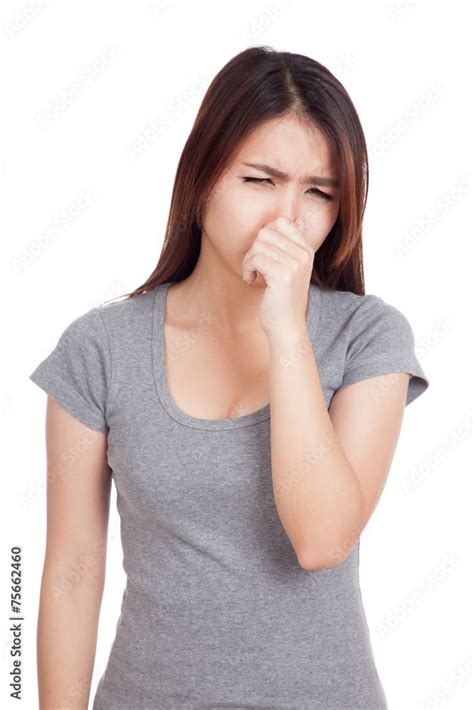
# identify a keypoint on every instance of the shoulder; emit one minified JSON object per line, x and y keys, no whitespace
{"x":352,"y":303}
{"x":100,"y":326}
{"x":358,"y":314}
{"x":369,"y":336}
{"x":78,"y":372}
{"x":116,"y":315}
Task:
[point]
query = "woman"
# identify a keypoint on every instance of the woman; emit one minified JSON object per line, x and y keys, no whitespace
{"x":240,"y":530}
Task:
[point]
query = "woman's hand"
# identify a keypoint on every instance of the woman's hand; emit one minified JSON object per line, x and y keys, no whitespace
{"x":284,"y":258}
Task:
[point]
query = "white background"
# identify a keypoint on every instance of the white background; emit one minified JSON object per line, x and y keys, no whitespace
{"x":87,"y":170}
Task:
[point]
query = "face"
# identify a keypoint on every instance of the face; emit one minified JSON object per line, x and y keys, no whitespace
{"x":246,"y":198}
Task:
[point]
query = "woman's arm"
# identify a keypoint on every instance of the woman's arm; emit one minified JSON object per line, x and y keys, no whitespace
{"x":328,"y":468}
{"x":78,"y":496}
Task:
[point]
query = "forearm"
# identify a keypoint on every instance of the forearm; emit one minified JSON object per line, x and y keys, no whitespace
{"x":317,"y":493}
{"x":66,"y":643}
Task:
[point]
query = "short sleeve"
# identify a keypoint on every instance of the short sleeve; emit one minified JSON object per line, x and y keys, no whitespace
{"x":381,"y":342}
{"x":77,"y":371}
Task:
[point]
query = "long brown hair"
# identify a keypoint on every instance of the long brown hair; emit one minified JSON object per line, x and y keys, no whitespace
{"x":257,"y":85}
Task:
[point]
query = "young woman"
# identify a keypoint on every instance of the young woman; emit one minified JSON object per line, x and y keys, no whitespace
{"x":246,"y":400}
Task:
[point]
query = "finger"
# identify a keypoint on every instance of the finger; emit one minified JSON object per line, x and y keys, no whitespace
{"x":253,"y":264}
{"x":291,"y":230}
{"x":268,"y":249}
{"x":280,"y":237}
{"x":265,"y":265}
{"x":264,"y":246}
{"x":280,"y":246}
{"x":278,"y":240}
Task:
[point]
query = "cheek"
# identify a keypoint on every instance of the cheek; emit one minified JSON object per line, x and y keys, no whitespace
{"x":231,"y":221}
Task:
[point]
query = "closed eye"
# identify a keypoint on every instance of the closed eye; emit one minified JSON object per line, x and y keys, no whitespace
{"x":313,"y":190}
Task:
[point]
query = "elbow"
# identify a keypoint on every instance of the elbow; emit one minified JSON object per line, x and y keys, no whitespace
{"x":311,"y":562}
{"x":333,"y":548}
{"x":327,"y":556}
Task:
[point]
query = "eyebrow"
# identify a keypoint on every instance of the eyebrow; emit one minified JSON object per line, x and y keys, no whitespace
{"x":311,"y":179}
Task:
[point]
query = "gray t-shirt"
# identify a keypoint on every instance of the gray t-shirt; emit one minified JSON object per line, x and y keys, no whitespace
{"x":217,"y":612}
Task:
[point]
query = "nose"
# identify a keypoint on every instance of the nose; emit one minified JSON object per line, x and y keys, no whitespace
{"x":288,"y":205}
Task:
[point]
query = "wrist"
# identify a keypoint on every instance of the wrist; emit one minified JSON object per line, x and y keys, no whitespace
{"x":287,"y":335}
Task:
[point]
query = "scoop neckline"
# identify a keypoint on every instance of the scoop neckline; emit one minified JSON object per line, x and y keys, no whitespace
{"x":161,"y":379}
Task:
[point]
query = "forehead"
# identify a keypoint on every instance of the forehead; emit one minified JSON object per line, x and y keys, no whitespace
{"x":288,"y":144}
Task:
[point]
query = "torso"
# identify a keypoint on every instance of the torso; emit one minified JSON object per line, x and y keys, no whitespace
{"x":211,"y":378}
